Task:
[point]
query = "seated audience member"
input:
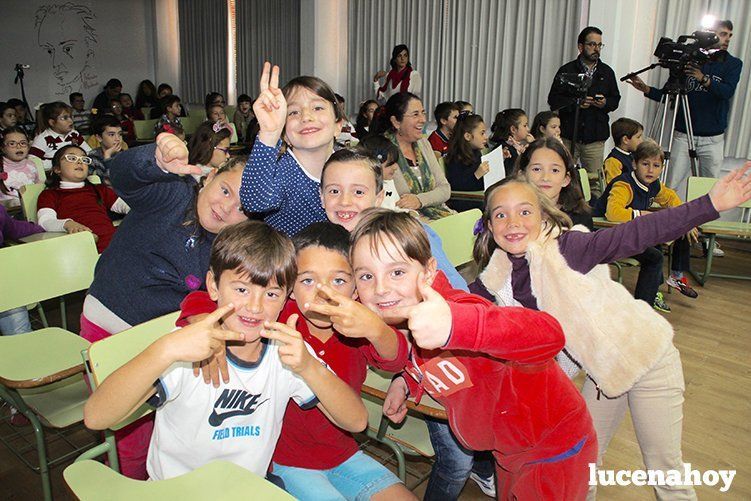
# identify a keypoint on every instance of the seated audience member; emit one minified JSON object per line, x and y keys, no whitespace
{"x":81,"y":116}
{"x":252,"y":268}
{"x":627,"y":136}
{"x":22,"y":112}
{"x":8,"y":116}
{"x":108,"y":131}
{"x":171,"y":112}
{"x":112,"y":90}
{"x":420,"y":180}
{"x":243,"y":116}
{"x":216,"y":113}
{"x":129,"y":109}
{"x":214,"y":99}
{"x":445,"y":115}
{"x":345,"y":137}
{"x":547,"y":124}
{"x":129,"y":130}
{"x":465,"y":107}
{"x":387,"y":155}
{"x":58,"y":119}
{"x":630,"y":195}
{"x":510,"y":130}
{"x":16,"y":170}
{"x":365,"y":118}
{"x":175,"y":130}
{"x":464,"y":167}
{"x":146,"y":97}
{"x":209,"y":146}
{"x":163,"y":92}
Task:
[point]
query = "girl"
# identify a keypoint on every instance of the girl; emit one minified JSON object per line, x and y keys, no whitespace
{"x":401,"y":77}
{"x":531,"y":258}
{"x":160,"y":252}
{"x":499,"y":386}
{"x":464,"y":169}
{"x":365,"y":117}
{"x":129,"y":110}
{"x":71,"y":203}
{"x":213,"y":99}
{"x":209,"y":146}
{"x":388,"y":155}
{"x":146,"y":95}
{"x":510,"y":130}
{"x":285,"y":184}
{"x":547,"y":124}
{"x":16,"y":169}
{"x":215,"y":113}
{"x":420,"y":180}
{"x":8,"y":116}
{"x":547,"y":164}
{"x":58,"y":117}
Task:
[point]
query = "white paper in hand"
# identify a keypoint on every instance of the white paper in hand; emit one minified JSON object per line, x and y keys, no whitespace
{"x":497,"y":169}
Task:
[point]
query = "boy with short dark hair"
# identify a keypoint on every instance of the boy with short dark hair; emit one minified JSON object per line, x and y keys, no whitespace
{"x":627,"y":136}
{"x":445,"y":118}
{"x":109,"y":133}
{"x":171,"y":112}
{"x":81,"y":116}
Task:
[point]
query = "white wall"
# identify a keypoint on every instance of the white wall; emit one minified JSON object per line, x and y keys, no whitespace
{"x":323,"y":43}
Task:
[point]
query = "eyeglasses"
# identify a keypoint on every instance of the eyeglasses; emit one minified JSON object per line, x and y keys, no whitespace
{"x":75,"y":158}
{"x":13,"y":144}
{"x":592,"y":45}
{"x":223,"y":150}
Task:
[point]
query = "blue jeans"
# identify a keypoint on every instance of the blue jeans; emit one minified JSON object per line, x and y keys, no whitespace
{"x":453,"y":464}
{"x":15,"y":321}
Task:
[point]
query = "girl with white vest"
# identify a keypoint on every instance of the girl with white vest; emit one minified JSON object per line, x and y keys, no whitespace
{"x":531,"y":257}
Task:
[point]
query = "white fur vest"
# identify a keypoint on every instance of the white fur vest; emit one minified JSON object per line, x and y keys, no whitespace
{"x":614,"y":337}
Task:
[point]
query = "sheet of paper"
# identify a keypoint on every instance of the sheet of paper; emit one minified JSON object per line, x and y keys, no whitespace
{"x":497,"y":169}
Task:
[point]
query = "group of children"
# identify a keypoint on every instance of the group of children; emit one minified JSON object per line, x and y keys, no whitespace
{"x":297,"y":270}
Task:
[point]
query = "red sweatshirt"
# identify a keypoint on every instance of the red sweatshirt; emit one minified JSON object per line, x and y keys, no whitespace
{"x":498,"y":381}
{"x":308,"y":439}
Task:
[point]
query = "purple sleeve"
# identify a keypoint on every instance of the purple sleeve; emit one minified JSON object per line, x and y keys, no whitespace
{"x":584,"y":251}
{"x":13,"y":229}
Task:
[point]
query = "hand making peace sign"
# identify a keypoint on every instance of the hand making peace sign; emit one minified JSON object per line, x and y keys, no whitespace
{"x":270,"y":107}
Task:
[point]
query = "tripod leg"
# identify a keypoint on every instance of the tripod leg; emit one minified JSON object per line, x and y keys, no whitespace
{"x":690,"y":136}
{"x":661,"y":115}
{"x":664,"y":174}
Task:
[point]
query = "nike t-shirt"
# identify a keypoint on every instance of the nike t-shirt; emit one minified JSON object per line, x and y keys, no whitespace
{"x":240,"y":421}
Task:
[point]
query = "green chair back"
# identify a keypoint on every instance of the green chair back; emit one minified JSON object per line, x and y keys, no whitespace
{"x":45,"y":269}
{"x":233,"y":139}
{"x":229,"y":110}
{"x":40,"y":168}
{"x":584,"y":183}
{"x":145,"y":129}
{"x":146,"y":111}
{"x":29,"y":195}
{"x":191,"y":123}
{"x":700,"y":186}
{"x":456,"y":233}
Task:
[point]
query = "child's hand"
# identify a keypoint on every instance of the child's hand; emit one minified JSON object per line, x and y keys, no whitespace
{"x":693,"y":236}
{"x":115,"y":148}
{"x":202,"y":339}
{"x":483,"y":169}
{"x":732,"y":190}
{"x":395,"y":403}
{"x":506,"y":152}
{"x":349,"y":317}
{"x":71,"y":226}
{"x":430,"y":321}
{"x":270,"y":107}
{"x":529,"y":139}
{"x":293,"y":352}
{"x":172,"y":155}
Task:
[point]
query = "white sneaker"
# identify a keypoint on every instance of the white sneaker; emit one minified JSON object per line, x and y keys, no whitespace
{"x":486,"y":485}
{"x":717,"y":252}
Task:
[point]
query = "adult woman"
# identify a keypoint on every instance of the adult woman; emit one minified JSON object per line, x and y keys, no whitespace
{"x":420,"y":180}
{"x":402,"y":78}
{"x":146,"y":95}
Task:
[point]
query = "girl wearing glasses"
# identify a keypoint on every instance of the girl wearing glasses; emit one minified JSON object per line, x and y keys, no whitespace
{"x":71,"y":203}
{"x":16,"y":169}
{"x":209,"y":146}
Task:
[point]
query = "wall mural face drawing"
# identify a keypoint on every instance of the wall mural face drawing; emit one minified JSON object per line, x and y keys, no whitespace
{"x":66,"y":32}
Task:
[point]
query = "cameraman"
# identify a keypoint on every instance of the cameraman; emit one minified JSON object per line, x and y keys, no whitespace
{"x":602,"y":98}
{"x":710,"y":89}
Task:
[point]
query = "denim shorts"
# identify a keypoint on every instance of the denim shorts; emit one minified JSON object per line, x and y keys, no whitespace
{"x":358,"y":478}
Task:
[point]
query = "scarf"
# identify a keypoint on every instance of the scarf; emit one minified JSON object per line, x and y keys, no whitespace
{"x":396,"y":77}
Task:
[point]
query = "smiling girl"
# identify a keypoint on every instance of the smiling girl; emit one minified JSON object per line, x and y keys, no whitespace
{"x":16,"y":169}
{"x":58,"y":117}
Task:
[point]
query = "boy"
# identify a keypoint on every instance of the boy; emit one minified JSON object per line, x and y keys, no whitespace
{"x":243,"y":116}
{"x":81,"y":116}
{"x":627,"y":136}
{"x":109,"y":134}
{"x":172,"y":108}
{"x":634,"y":192}
{"x":445,"y":117}
{"x":252,"y":266}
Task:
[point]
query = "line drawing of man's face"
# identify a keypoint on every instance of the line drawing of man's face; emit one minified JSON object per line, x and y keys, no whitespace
{"x":64,"y":39}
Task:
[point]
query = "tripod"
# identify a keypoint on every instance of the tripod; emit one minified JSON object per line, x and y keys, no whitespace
{"x":19,"y":79}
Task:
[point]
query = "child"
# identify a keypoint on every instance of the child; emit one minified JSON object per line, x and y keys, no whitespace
{"x":631,"y":194}
{"x":387,"y":155}
{"x":465,"y":107}
{"x":252,"y":267}
{"x":215,"y":113}
{"x":464,"y":168}
{"x":160,"y":252}
{"x":243,"y":116}
{"x":547,"y":164}
{"x":286,"y":186}
{"x":7,"y":116}
{"x":146,"y":96}
{"x":129,"y":109}
{"x":58,"y":119}
{"x":213,"y":99}
{"x":365,"y":117}
{"x":71,"y":203}
{"x":171,"y":114}
{"x":529,"y":257}
{"x":16,"y":169}
{"x":108,"y":132}
{"x":627,"y":136}
{"x":209,"y":146}
{"x":445,"y":118}
{"x":491,"y":368}
{"x":547,"y":124}
{"x":126,"y":124}
{"x":346,"y":135}
{"x":510,"y":130}
{"x":81,"y":116}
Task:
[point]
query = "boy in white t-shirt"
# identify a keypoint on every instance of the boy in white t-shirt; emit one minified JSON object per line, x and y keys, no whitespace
{"x":252,"y":268}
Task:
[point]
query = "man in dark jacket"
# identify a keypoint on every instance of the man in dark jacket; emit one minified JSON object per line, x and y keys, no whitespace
{"x":602,"y":98}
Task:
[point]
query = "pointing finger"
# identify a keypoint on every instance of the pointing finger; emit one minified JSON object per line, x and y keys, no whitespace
{"x":327,"y":292}
{"x":324,"y":309}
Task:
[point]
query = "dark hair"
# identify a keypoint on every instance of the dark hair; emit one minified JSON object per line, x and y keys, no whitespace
{"x":317,"y":87}
{"x":503,"y":122}
{"x":53,"y":178}
{"x":462,"y":104}
{"x":356,"y":155}
{"x":73,"y":96}
{"x":142,"y":98}
{"x":395,"y":107}
{"x":124,"y":94}
{"x":103,"y":121}
{"x":395,"y":52}
{"x":113,"y":83}
{"x":6,"y":106}
{"x":170,"y":128}
{"x":209,"y":100}
{"x":14,"y":101}
{"x":362,"y":119}
{"x":168,"y":101}
{"x":443,"y":111}
{"x":381,"y":148}
{"x":163,"y":86}
{"x":624,"y":128}
{"x":339,"y":98}
{"x":585,"y":32}
{"x":541,"y":121}
{"x":399,"y":228}
{"x":203,"y":141}
{"x":244,"y":98}
{"x":10,"y":130}
{"x":256,"y":250}
{"x":323,"y":234}
{"x":724,"y":23}
{"x":50,"y":111}
{"x":571,"y":198}
{"x":459,"y":149}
